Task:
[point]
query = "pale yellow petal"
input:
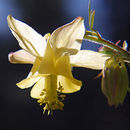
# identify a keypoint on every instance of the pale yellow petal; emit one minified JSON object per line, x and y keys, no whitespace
{"x":27,"y":37}
{"x":63,"y":67}
{"x":69,"y":85}
{"x":21,"y":57}
{"x":47,"y":65}
{"x":65,"y":77}
{"x":65,"y":52}
{"x":37,"y":89}
{"x":28,"y":82}
{"x":69,"y":35}
{"x":88,"y":59}
{"x":35,"y":67}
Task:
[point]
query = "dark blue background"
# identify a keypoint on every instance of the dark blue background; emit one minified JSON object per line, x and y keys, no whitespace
{"x":84,"y":110}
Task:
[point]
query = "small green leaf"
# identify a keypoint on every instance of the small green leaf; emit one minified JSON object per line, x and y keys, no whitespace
{"x":105,"y":50}
{"x":89,"y":9}
{"x":92,"y":20}
{"x":91,"y":15}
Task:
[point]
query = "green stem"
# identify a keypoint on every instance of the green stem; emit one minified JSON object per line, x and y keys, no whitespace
{"x":95,"y":37}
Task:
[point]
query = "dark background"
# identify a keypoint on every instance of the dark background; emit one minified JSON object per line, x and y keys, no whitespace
{"x":84,"y":110}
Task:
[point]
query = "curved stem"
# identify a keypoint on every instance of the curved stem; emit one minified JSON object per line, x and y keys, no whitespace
{"x":95,"y":37}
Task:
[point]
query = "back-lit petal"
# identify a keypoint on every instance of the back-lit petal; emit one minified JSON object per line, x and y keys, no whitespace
{"x":38,"y":88}
{"x":21,"y":57}
{"x":27,"y":37}
{"x":70,"y":85}
{"x":69,"y":35}
{"x":28,"y":82}
{"x":88,"y":59}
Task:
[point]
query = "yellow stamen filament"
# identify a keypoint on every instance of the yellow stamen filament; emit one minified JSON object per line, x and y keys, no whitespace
{"x":50,"y":95}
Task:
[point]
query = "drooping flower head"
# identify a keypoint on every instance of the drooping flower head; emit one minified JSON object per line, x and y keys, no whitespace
{"x":51,"y":72}
{"x":52,"y":57}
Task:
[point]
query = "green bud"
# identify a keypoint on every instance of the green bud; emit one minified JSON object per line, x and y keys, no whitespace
{"x":115,"y":80}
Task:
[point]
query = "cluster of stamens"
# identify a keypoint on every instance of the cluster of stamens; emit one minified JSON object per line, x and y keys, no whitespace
{"x":56,"y":104}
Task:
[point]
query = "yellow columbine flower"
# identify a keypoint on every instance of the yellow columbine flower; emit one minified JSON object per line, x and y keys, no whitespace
{"x":52,"y":57}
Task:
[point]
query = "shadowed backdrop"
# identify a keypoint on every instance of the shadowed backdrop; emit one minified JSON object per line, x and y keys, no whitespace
{"x":86,"y":109}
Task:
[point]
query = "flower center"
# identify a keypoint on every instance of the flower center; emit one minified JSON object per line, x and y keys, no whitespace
{"x":51,"y":98}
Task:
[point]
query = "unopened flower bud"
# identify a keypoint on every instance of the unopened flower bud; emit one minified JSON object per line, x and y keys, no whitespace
{"x":115,"y":80}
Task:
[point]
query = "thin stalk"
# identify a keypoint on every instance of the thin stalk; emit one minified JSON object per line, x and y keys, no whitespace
{"x":95,"y":37}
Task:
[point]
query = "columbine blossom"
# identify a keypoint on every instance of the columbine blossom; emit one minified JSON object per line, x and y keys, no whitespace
{"x":52,"y":57}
